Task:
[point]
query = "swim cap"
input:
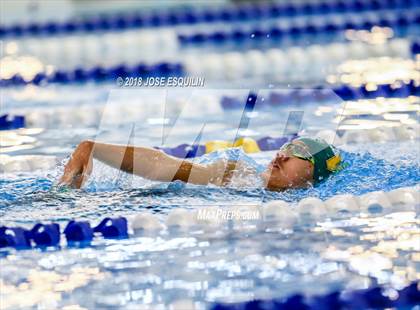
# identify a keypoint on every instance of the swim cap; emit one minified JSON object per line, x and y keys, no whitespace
{"x":323,"y":156}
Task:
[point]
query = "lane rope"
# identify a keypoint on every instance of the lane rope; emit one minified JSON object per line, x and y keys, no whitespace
{"x":188,"y":16}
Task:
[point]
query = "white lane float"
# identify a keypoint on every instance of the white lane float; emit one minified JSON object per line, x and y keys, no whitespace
{"x":279,"y":212}
{"x":278,"y":60}
{"x":355,"y":136}
{"x":338,"y":52}
{"x":312,"y":207}
{"x":233,"y":63}
{"x":381,"y":134}
{"x":256,"y":63}
{"x":210,"y":217}
{"x":245,"y":218}
{"x":404,"y":196}
{"x":402,"y":133}
{"x":374,"y":202}
{"x":357,"y":50}
{"x":342,"y":203}
{"x":294,"y":60}
{"x":400,"y":47}
{"x":146,"y":222}
{"x":181,"y":218}
{"x":412,"y":130}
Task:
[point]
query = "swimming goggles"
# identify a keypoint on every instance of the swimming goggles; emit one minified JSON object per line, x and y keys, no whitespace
{"x":297,"y":150}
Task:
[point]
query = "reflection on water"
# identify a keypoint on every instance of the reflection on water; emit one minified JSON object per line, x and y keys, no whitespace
{"x":207,"y":266}
{"x":45,"y":287}
{"x":375,"y":71}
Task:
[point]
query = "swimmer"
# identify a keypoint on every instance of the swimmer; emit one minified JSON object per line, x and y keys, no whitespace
{"x":298,"y":164}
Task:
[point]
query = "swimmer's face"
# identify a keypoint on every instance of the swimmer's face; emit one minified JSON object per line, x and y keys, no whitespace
{"x":287,"y":171}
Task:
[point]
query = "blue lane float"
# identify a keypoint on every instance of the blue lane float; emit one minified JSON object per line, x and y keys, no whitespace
{"x":78,"y":231}
{"x":270,"y":144}
{"x":113,"y":227}
{"x":8,"y":122}
{"x":45,"y":234}
{"x":184,"y":150}
{"x":371,"y":298}
{"x":294,"y":32}
{"x":415,"y":47}
{"x":323,"y":94}
{"x":99,"y":74}
{"x":266,"y":143}
{"x":190,"y":16}
{"x":15,"y":237}
{"x":347,"y":92}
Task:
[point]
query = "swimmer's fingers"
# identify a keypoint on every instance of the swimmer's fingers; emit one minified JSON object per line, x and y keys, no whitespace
{"x":74,"y":180}
{"x":70,"y":170}
{"x":79,"y":167}
{"x":81,"y":178}
{"x":69,"y":176}
{"x":75,"y":175}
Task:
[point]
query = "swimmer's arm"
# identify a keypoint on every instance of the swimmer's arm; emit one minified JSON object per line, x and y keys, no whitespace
{"x":146,"y":162}
{"x":150,"y":163}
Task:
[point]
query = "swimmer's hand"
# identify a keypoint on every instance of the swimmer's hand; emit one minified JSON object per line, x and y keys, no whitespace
{"x":222,"y":171}
{"x":79,"y":167}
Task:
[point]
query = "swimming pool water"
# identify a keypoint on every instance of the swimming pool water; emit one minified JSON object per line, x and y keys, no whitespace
{"x":231,"y":261}
{"x":234,"y":262}
{"x":227,"y":263}
{"x":250,"y":262}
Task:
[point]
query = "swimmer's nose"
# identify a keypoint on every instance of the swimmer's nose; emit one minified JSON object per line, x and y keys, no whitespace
{"x":282,"y":157}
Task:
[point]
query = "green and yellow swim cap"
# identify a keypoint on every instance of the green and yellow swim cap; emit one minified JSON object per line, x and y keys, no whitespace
{"x":322,"y":155}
